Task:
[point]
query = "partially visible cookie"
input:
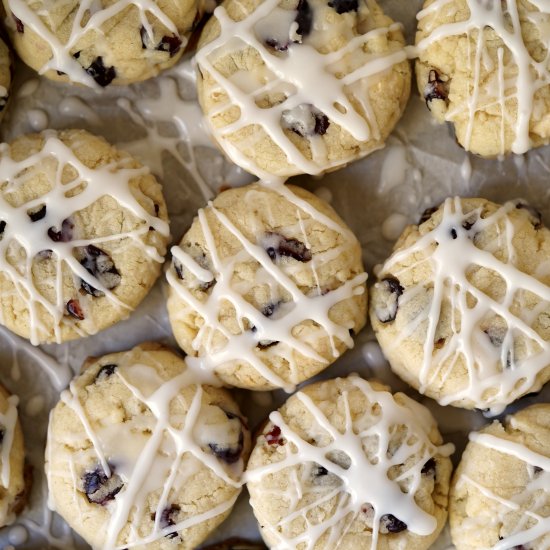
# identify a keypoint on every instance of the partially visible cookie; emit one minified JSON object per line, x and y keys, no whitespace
{"x":462,"y":307}
{"x":344,"y":463}
{"x":301,"y":86}
{"x":483,"y":66}
{"x":267,"y":287}
{"x":97,"y":43}
{"x":13,"y":485}
{"x":236,"y":544}
{"x":5,"y":76}
{"x":500,"y":494}
{"x":139,"y":454}
{"x":83,"y":234}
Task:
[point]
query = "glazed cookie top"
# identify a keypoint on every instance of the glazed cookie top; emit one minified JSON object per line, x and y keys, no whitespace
{"x":301,"y":86}
{"x":83,"y":234}
{"x":347,"y":464}
{"x":94,"y":42}
{"x":267,"y":287}
{"x":462,"y":306}
{"x":501,"y":490}
{"x":485,"y":66}
{"x":141,"y":455}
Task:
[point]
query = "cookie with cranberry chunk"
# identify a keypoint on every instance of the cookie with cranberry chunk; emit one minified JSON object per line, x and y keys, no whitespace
{"x":140,"y":455}
{"x":462,"y":307}
{"x":83,"y":233}
{"x":301,"y":86}
{"x":97,"y":43}
{"x":345,"y":460}
{"x":503,"y":484}
{"x":267,"y":287}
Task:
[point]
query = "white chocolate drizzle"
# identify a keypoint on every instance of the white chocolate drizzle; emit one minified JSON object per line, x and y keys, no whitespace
{"x":304,"y":75}
{"x":61,"y":201}
{"x":518,"y":77}
{"x":365,"y":484}
{"x":150,"y":454}
{"x":531,"y":502}
{"x":496,"y":374}
{"x":278,"y":327}
{"x":89,"y":18}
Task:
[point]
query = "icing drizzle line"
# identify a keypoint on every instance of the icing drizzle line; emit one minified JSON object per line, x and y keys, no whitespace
{"x":535,"y":495}
{"x":315,"y":306}
{"x":518,"y":80}
{"x":286,"y":72}
{"x":365,"y":482}
{"x":62,"y":59}
{"x":163,"y":461}
{"x":496,"y":375}
{"x":62,"y":200}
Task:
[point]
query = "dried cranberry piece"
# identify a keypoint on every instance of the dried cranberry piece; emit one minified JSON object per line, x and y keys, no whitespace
{"x":435,"y":89}
{"x":100,"y":265}
{"x":276,"y":45}
{"x":66,"y":233}
{"x":427,"y":214}
{"x":99,"y":488}
{"x":18,"y":24}
{"x":101,"y":74}
{"x":536,"y":216}
{"x":343,"y":6}
{"x":273,"y":437}
{"x":279,"y":245}
{"x":170,"y":44}
{"x":386,"y":302}
{"x":229,"y":454}
{"x":2,"y":434}
{"x":305,"y":120}
{"x":2,"y":227}
{"x":37,"y":215}
{"x":304,"y":18}
{"x":319,"y":471}
{"x":168,"y":518}
{"x":321,"y":123}
{"x":392,"y":524}
{"x":429,"y":467}
{"x":106,"y":371}
{"x":75,"y":310}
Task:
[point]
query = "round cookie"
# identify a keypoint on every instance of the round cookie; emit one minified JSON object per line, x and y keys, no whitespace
{"x":500,"y":494}
{"x":140,"y":454}
{"x":483,"y":66}
{"x":346,"y":463}
{"x":13,"y":482}
{"x":267,"y":287}
{"x":461,"y":308}
{"x":99,"y":43}
{"x":5,"y":76}
{"x":83,"y":235}
{"x":301,"y":86}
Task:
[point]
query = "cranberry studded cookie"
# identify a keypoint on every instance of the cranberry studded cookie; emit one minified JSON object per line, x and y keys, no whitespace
{"x":83,"y":233}
{"x":500,"y":494}
{"x":484,"y":67}
{"x":462,"y":307}
{"x":140,"y":455}
{"x":267,"y":287}
{"x":13,"y":483}
{"x":97,"y":43}
{"x":301,"y":86}
{"x":346,"y":464}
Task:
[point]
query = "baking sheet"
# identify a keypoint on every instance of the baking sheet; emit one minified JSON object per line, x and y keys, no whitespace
{"x":159,"y":121}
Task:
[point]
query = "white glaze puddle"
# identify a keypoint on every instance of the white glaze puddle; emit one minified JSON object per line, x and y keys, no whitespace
{"x":366,"y":480}
{"x":491,"y":383}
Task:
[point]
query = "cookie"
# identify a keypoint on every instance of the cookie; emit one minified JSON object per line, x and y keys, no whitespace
{"x":99,"y":43}
{"x":141,"y":455}
{"x":267,"y":287}
{"x":301,"y":86}
{"x":482,"y":66}
{"x":83,"y":233}
{"x":500,"y":494}
{"x":344,"y":463}
{"x":5,"y":76}
{"x":462,"y":307}
{"x":13,"y":484}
